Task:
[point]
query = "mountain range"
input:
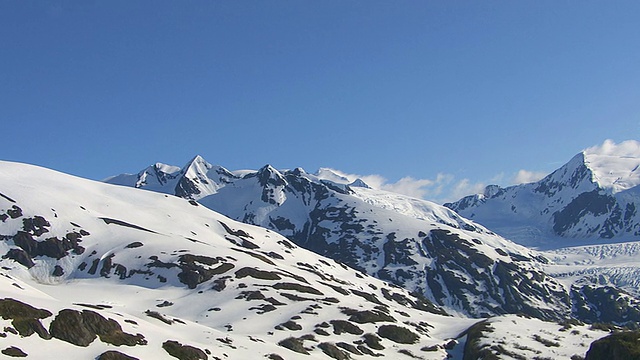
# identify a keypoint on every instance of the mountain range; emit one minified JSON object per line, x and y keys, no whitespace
{"x":421,"y":246}
{"x":284,"y":264}
{"x":96,"y":271}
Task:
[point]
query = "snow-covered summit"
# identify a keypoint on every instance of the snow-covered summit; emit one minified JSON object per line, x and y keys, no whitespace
{"x":591,"y":198}
{"x":96,"y":271}
{"x":89,"y":268}
{"x":615,"y":166}
{"x":413,"y":243}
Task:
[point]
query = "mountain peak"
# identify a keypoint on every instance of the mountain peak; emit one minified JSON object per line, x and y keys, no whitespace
{"x":199,"y":162}
{"x":270,"y":175}
{"x":360,"y":183}
{"x":591,"y":196}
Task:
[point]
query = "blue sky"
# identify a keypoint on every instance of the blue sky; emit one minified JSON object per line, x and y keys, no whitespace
{"x":443,"y":96}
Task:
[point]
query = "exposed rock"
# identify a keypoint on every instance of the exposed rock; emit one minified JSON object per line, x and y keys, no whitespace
{"x":398,"y":334}
{"x":20,"y":256}
{"x":373,"y":341}
{"x":82,"y":328}
{"x":157,"y":315}
{"x":291,"y":325}
{"x":473,"y":349}
{"x":115,"y":355}
{"x":257,"y":274}
{"x":14,"y":309}
{"x":367,"y":316}
{"x":29,"y":326}
{"x":14,"y":352}
{"x":297,"y":287}
{"x":69,"y":326}
{"x":332,"y":351}
{"x":617,"y":346}
{"x":343,"y":326}
{"x":57,"y":271}
{"x":183,"y":352}
{"x":294,"y":344}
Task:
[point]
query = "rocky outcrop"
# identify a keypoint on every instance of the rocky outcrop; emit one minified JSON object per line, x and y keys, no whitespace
{"x":183,"y":352}
{"x":618,"y":346}
{"x":82,"y":328}
{"x":25,"y":318}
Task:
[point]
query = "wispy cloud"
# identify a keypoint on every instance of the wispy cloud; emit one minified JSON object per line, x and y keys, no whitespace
{"x":441,"y":189}
{"x":463,"y":188}
{"x":526,"y":176}
{"x":609,"y":147}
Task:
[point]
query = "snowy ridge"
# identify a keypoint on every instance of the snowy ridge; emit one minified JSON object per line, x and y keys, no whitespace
{"x":615,"y":166}
{"x":592,"y":199}
{"x":415,"y":244}
{"x":165,"y":269}
{"x":146,"y":274}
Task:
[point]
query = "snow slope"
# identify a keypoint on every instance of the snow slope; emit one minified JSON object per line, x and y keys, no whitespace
{"x":592,"y":199}
{"x":412,"y":243}
{"x":415,"y":244}
{"x":149,"y":273}
{"x":168,"y":269}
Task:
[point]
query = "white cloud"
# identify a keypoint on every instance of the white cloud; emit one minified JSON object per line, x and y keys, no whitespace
{"x":463,"y":188}
{"x":609,"y":147}
{"x":444,"y":188}
{"x":419,"y":188}
{"x":526,"y":176}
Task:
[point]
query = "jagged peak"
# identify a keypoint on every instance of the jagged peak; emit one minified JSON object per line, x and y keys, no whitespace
{"x":491,"y":191}
{"x":269,"y":174}
{"x":198,"y":161}
{"x":298,"y":171}
{"x":360,"y":183}
{"x":331,"y":175}
{"x":165,"y":168}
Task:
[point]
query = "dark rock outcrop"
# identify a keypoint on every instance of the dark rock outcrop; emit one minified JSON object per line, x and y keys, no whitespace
{"x":183,"y":352}
{"x":115,"y":355}
{"x":618,"y":346}
{"x":82,"y":328}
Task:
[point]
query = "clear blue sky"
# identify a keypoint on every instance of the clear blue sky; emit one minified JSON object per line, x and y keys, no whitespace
{"x":471,"y":90}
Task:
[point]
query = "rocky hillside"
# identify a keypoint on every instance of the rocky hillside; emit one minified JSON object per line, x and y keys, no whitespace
{"x":92,"y":270}
{"x":415,"y":244}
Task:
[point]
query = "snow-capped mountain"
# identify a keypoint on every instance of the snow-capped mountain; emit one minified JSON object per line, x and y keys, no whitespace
{"x":91,"y":270}
{"x":96,"y":271}
{"x":416,"y":244}
{"x":593,"y":198}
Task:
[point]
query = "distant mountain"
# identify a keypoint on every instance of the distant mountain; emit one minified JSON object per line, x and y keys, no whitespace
{"x":415,"y":244}
{"x":594,"y":198}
